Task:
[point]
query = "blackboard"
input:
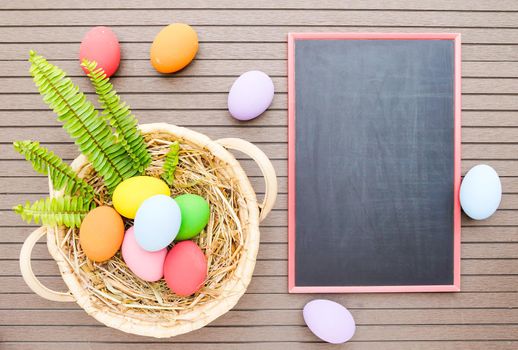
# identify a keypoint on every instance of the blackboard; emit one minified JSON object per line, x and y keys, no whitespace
{"x":374,"y":157}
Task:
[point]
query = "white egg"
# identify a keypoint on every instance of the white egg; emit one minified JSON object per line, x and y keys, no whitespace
{"x":157,"y":222}
{"x":480,"y":192}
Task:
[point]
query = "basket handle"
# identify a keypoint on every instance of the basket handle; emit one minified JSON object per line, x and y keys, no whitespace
{"x":254,"y":152}
{"x":28,"y":275}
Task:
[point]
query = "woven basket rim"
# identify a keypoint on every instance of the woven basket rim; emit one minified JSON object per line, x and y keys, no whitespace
{"x":200,"y":315}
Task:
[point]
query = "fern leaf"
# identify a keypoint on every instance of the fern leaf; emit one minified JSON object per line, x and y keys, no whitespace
{"x":171,"y":161}
{"x":80,"y":119}
{"x":119,"y":115}
{"x":47,"y":163}
{"x":68,"y":211}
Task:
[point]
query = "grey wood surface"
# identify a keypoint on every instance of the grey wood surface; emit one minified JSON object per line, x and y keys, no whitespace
{"x":236,"y":36}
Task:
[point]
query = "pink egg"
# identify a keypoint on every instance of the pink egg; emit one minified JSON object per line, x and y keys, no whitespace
{"x":101,"y":45}
{"x":185,"y":268}
{"x":147,"y":265}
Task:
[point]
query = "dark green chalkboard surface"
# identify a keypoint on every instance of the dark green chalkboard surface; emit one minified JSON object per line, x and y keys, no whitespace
{"x":373,"y":164}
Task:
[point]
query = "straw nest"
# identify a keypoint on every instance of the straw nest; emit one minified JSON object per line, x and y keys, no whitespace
{"x":112,"y":283}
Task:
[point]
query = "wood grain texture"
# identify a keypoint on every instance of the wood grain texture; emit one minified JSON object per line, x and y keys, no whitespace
{"x":242,"y":16}
{"x":222,"y":50}
{"x":353,"y":345}
{"x":227,"y":67}
{"x":222,"y":84}
{"x":268,"y":33}
{"x":236,"y":36}
{"x":441,"y":5}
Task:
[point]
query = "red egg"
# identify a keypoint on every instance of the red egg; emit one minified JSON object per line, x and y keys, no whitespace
{"x":101,"y":45}
{"x":185,"y":268}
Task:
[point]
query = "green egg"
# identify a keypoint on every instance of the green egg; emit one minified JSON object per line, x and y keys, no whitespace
{"x":195,"y":215}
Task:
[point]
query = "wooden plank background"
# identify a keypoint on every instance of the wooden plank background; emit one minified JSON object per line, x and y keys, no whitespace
{"x":236,"y":36}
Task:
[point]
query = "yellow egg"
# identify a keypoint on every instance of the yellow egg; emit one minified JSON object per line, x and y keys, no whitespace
{"x":130,"y":193}
{"x":174,"y":48}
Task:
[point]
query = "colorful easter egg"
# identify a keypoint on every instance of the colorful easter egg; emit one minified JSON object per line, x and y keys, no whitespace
{"x":250,"y":95}
{"x":185,"y":268}
{"x":480,"y":192}
{"x":130,"y":193}
{"x":101,"y":233}
{"x":329,"y":321}
{"x":100,"y":44}
{"x":149,"y":266}
{"x":195,"y":215}
{"x":174,"y":47}
{"x":157,"y":222}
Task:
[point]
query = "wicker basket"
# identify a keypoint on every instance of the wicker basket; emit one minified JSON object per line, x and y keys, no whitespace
{"x":175,"y":316}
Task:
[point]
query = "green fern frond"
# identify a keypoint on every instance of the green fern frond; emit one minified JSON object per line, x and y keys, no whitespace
{"x":119,"y":115}
{"x":47,"y":163}
{"x":171,"y":161}
{"x":68,"y":211}
{"x":80,"y":119}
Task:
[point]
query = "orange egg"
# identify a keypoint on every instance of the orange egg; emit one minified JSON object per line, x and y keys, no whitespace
{"x":101,"y":233}
{"x":174,"y":48}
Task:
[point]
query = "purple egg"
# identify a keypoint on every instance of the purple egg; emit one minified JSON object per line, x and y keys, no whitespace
{"x":329,"y":321}
{"x":250,"y":95}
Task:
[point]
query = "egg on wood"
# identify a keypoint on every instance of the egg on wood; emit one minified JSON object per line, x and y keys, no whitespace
{"x":480,"y":192}
{"x":100,"y":44}
{"x":130,"y":193}
{"x":185,"y":268}
{"x":250,"y":95}
{"x":149,"y":266}
{"x":329,"y":321}
{"x":157,"y":222}
{"x":174,"y":47}
{"x":195,"y":215}
{"x":101,"y":233}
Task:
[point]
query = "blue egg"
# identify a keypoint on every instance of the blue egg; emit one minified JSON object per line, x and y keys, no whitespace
{"x":157,"y":222}
{"x":480,"y":192}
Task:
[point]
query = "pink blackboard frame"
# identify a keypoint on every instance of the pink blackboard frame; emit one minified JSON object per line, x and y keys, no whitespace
{"x":292,"y":38}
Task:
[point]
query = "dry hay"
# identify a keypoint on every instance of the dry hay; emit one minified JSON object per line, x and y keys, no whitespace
{"x":114,"y":285}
